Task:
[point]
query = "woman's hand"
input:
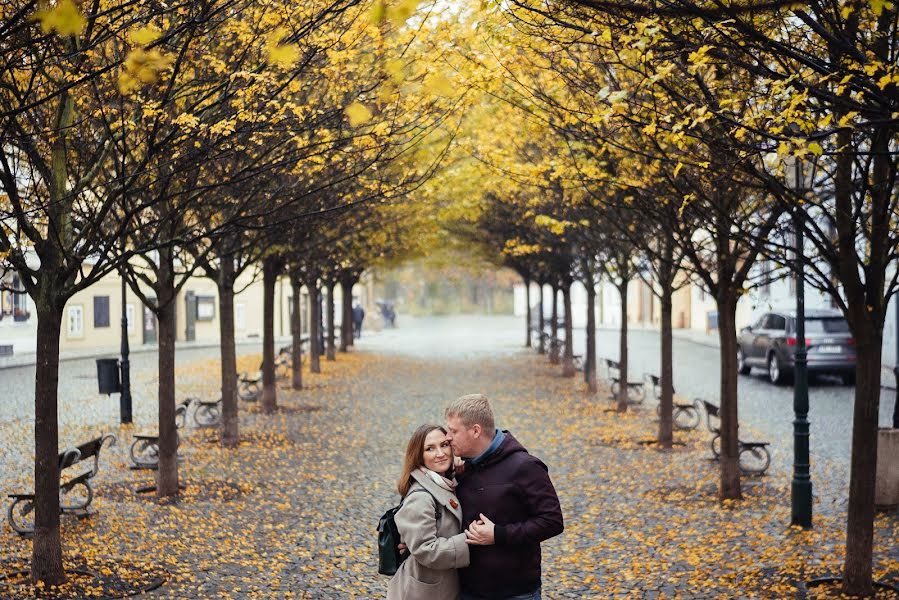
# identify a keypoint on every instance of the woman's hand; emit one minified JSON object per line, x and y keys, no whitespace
{"x":480,"y":532}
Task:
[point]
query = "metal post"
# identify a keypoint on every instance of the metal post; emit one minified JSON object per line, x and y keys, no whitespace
{"x":896,"y":368}
{"x":124,"y":364}
{"x":802,"y":481}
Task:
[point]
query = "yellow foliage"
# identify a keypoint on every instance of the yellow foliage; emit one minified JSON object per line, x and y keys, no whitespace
{"x":142,"y":67}
{"x":64,"y":18}
{"x":357,"y":113}
{"x":144,"y":36}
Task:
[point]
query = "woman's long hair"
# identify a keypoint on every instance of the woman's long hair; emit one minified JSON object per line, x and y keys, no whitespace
{"x":415,"y":451}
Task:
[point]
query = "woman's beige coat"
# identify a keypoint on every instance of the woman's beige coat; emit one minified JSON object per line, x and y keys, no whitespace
{"x":438,"y":549}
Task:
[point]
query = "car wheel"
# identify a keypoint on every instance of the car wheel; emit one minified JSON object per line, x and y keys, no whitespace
{"x":849,"y":379}
{"x":742,"y":367}
{"x":775,"y":373}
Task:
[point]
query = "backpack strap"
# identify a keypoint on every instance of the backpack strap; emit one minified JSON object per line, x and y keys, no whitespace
{"x":437,"y":511}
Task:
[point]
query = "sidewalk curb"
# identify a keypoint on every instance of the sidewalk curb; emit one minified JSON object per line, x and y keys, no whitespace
{"x":30,"y":359}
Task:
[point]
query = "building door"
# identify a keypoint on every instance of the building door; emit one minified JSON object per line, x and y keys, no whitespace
{"x":190,"y":330}
{"x":149,"y":325}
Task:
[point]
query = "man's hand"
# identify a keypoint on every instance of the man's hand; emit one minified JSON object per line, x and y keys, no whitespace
{"x":402,"y":548}
{"x":480,"y":532}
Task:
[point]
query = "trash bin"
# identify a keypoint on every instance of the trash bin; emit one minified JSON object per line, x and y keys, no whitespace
{"x":108,"y":375}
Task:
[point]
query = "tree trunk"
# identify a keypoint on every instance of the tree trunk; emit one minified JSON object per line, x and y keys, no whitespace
{"x":568,"y":369}
{"x":229,"y":429}
{"x":527,"y":316}
{"x":296,"y":331}
{"x":541,"y":338}
{"x":554,"y":328}
{"x":590,"y":352}
{"x":346,"y":318}
{"x":857,"y":570}
{"x":167,"y":473}
{"x":666,"y":402}
{"x":46,"y":554}
{"x":729,"y":488}
{"x":269,"y":388}
{"x":622,"y":349}
{"x":314,"y":327}
{"x":331,"y":349}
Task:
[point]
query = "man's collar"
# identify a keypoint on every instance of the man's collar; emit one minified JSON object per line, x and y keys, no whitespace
{"x":498,"y":438}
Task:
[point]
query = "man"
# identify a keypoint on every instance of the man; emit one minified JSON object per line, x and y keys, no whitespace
{"x":358,"y":317}
{"x":509,"y":505}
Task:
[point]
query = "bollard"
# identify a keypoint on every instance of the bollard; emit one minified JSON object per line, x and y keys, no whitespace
{"x":896,"y":403}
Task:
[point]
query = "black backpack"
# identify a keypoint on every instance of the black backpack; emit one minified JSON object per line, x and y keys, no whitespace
{"x":389,"y":557}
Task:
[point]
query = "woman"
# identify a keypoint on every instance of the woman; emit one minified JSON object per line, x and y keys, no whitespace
{"x":429,"y":521}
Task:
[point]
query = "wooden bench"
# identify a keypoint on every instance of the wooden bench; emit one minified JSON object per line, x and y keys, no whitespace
{"x":684,"y":415}
{"x":144,"y":449}
{"x":207,"y":413}
{"x":20,"y":511}
{"x":754,"y":456}
{"x":635,"y":389}
{"x":283,"y":362}
{"x":249,"y":387}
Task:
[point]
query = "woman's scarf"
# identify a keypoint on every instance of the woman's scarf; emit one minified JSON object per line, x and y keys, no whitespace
{"x":447,"y":484}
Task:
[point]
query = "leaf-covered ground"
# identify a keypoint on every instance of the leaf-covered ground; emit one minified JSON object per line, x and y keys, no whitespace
{"x":292,"y":512}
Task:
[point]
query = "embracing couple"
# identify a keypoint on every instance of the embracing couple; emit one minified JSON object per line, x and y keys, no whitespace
{"x":473,"y":526}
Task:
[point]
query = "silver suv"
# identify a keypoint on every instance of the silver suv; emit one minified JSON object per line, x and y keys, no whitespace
{"x":771,"y":343}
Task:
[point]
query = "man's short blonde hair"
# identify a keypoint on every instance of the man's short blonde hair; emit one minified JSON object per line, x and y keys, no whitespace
{"x":473,"y":409}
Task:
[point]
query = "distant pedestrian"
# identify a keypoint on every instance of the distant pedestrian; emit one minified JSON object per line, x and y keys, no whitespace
{"x":358,"y":317}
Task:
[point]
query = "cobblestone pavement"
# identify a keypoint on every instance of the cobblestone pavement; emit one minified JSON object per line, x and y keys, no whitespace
{"x":292,"y":512}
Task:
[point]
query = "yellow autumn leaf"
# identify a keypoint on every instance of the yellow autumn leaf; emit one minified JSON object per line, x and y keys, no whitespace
{"x":395,"y":68}
{"x":846,"y":120}
{"x":401,"y":11}
{"x":377,"y":13}
{"x":64,"y":18}
{"x":816,"y":149}
{"x":283,"y":55}
{"x":144,"y":36}
{"x":357,"y":113}
{"x":877,"y":6}
{"x":440,"y":85}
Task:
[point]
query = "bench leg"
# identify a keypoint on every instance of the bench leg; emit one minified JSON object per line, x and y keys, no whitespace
{"x":144,"y":453}
{"x":716,"y":446}
{"x":686,"y":418}
{"x":754,"y":461}
{"x":207,"y":415}
{"x":21,"y":516}
{"x":69,"y":502}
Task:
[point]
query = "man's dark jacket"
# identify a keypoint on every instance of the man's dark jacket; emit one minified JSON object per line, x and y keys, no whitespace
{"x":512,"y":489}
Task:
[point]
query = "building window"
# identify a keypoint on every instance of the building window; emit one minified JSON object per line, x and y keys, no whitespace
{"x":240,"y":316}
{"x":75,"y":321}
{"x":205,"y":308}
{"x":101,"y":311}
{"x":129,"y":316}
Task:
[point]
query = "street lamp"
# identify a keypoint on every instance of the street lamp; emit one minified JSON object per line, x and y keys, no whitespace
{"x":124,"y":364}
{"x":800,"y":176}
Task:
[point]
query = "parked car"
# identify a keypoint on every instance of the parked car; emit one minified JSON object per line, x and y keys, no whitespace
{"x":771,"y":343}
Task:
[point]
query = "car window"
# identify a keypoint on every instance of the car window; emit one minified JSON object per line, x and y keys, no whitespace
{"x":777,"y":323}
{"x":760,"y":324}
{"x":826,"y":325}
